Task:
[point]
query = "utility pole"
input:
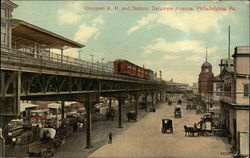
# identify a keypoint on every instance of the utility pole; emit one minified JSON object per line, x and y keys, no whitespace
{"x":160,"y":75}
{"x":228,"y":42}
{"x":80,"y":51}
{"x":102,"y":63}
{"x":92,"y":60}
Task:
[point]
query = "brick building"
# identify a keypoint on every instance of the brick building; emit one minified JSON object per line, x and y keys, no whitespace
{"x":205,"y":79}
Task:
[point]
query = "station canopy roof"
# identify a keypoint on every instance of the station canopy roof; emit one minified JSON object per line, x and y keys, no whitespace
{"x":24,"y":33}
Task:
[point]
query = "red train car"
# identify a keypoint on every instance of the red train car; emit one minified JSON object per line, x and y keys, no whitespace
{"x":127,"y":68}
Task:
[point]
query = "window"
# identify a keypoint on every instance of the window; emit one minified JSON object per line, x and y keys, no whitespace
{"x":246,"y":90}
{"x":129,"y":66}
{"x":3,"y":32}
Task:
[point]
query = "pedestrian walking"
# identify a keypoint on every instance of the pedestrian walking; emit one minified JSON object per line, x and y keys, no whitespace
{"x":110,"y":138}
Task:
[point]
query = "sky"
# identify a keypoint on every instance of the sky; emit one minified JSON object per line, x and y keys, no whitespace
{"x":171,"y":40}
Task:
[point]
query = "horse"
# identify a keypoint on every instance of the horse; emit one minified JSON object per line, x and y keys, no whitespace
{"x":191,"y":130}
{"x":187,"y":130}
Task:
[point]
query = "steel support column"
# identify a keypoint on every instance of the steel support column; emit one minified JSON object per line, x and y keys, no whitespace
{"x":136,"y":97}
{"x":120,"y":102}
{"x":152,"y":101}
{"x":146,"y":104}
{"x":110,"y":102}
{"x":88,"y":122}
{"x":62,"y":109}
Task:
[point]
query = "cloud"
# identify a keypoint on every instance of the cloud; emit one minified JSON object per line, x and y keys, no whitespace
{"x":142,"y":22}
{"x":184,"y":21}
{"x":193,"y":58}
{"x":71,"y":13}
{"x":68,"y":17}
{"x":160,"y":45}
{"x":97,"y":21}
{"x":171,"y":57}
{"x":72,"y":52}
{"x":87,"y":31}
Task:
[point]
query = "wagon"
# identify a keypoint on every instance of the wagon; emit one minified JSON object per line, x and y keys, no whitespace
{"x":177,"y":112}
{"x":41,"y":149}
{"x":206,"y":128}
{"x":167,"y":126}
{"x":110,"y":113}
{"x":44,"y":147}
{"x":131,"y":116}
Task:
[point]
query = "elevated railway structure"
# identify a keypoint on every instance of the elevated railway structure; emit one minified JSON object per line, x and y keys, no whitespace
{"x":31,"y":71}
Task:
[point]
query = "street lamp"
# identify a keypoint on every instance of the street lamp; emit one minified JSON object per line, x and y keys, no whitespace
{"x":80,"y":51}
{"x":160,"y":75}
{"x":92,"y":57}
{"x":102,"y":63}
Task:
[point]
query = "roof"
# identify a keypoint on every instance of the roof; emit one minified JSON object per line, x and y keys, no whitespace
{"x":54,"y":105}
{"x":23,"y":106}
{"x":206,"y":64}
{"x":9,"y":3}
{"x":217,"y":79}
{"x":24,"y":32}
{"x":226,"y":71}
{"x":241,"y":51}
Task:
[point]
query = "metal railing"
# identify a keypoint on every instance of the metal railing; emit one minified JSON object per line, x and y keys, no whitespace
{"x":58,"y":62}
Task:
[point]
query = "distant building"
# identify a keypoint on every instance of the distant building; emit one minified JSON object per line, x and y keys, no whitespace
{"x":194,"y":87}
{"x":205,"y":79}
{"x":235,"y":104}
{"x":216,"y":96}
{"x":226,"y":63}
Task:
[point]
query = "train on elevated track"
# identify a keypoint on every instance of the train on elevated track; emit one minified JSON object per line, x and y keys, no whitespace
{"x":125,"y":67}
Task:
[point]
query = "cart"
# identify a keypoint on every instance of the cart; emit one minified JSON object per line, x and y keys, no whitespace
{"x":177,"y":112}
{"x":132,"y":116}
{"x":206,"y":128}
{"x":41,"y":149}
{"x":167,"y":126}
{"x":44,"y":147}
{"x":110,"y":113}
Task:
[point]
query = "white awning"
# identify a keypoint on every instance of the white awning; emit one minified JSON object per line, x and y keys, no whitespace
{"x":54,"y":105}
{"x":24,"y":106}
{"x":57,"y":105}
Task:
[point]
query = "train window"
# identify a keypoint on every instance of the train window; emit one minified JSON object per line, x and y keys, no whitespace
{"x":129,"y":66}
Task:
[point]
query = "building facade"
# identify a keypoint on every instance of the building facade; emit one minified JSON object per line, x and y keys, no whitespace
{"x":235,"y":104}
{"x":205,"y":79}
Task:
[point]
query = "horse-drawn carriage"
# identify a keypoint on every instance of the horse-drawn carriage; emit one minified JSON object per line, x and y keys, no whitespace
{"x":177,"y":112}
{"x":206,"y":126}
{"x":167,"y":126}
{"x":131,"y":115}
{"x":44,"y":147}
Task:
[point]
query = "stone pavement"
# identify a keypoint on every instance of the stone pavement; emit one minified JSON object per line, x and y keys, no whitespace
{"x":145,"y":139}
